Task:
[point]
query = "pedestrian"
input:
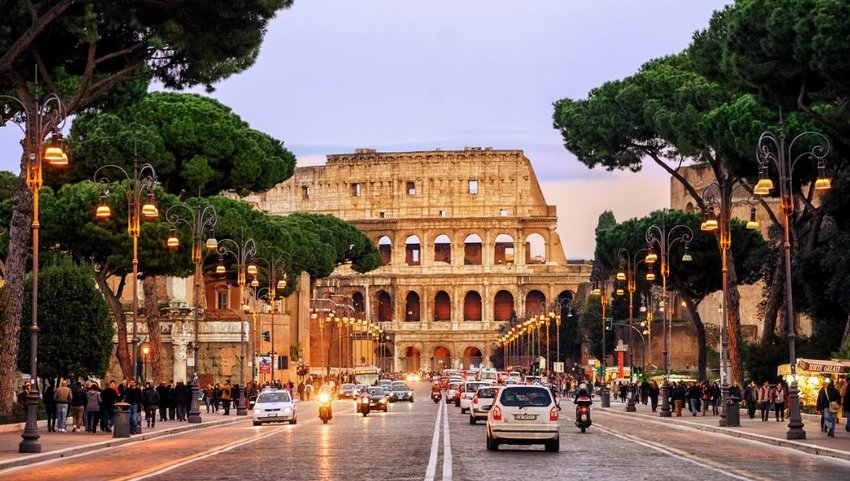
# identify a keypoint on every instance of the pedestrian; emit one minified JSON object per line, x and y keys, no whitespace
{"x":208,"y":392}
{"x":308,"y":389}
{"x":132,"y":395}
{"x":828,"y":404}
{"x":751,"y":396}
{"x":182,"y":397}
{"x":78,"y":404}
{"x":716,"y":397}
{"x":63,"y":400}
{"x":644,"y":391}
{"x":225,"y":397}
{"x":301,"y":388}
{"x":162,"y":393}
{"x":50,"y":406}
{"x":678,"y":397}
{"x":23,"y":394}
{"x":92,"y":408}
{"x":706,"y":398}
{"x":846,"y":403}
{"x":216,"y":397}
{"x":779,"y":402}
{"x":654,"y":391}
{"x":764,"y":401}
{"x":172,"y":401}
{"x":150,"y":400}
{"x":108,"y":398}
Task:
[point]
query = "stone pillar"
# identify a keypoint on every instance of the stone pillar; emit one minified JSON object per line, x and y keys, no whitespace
{"x":177,"y":289}
{"x":179,"y":343}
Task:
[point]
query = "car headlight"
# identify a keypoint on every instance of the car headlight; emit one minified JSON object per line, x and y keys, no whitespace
{"x":287,"y":411}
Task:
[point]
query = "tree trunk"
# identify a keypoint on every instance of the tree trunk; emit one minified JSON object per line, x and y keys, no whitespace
{"x":122,"y":353}
{"x":701,"y":340}
{"x":733,"y":322}
{"x":19,"y":237}
{"x":154,"y":331}
{"x":774,"y":300}
{"x":845,"y":339}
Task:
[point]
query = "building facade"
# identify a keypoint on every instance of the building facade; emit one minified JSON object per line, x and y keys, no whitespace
{"x":467,"y":241}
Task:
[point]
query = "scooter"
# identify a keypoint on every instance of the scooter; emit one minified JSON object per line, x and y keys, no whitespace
{"x":363,"y":405}
{"x":436,"y":396}
{"x":325,"y":407}
{"x":583,"y":412}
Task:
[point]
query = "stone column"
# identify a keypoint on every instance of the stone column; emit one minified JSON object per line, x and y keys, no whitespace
{"x":179,"y":343}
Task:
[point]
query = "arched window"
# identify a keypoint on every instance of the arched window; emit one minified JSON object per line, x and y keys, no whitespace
{"x":503,"y":306}
{"x":412,"y":252}
{"x":472,"y":306}
{"x":411,"y":360}
{"x":504,"y":250}
{"x":535,"y":249}
{"x":535,"y":303}
{"x":442,"y":307}
{"x":385,"y":307}
{"x":472,"y":250}
{"x":411,"y":307}
{"x":385,"y":247}
{"x":442,"y":358}
{"x":443,"y":249}
{"x":472,"y":357}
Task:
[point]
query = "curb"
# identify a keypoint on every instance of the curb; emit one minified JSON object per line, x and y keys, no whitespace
{"x":806,"y":448}
{"x":25,"y":460}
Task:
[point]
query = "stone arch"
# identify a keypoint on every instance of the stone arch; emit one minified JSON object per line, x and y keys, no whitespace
{"x":473,"y":252}
{"x":443,"y":249}
{"x":412,"y":250}
{"x":385,"y":248}
{"x":385,"y":306}
{"x":359,"y":301}
{"x":472,"y":306}
{"x":535,"y":249}
{"x":535,"y":303}
{"x":442,"y":358}
{"x":689,"y":207}
{"x":472,"y":356}
{"x":412,"y":307}
{"x":412,"y":359}
{"x":442,"y":306}
{"x":503,"y":250}
{"x":503,"y":306}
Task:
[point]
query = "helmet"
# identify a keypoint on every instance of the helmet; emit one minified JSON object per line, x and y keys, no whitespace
{"x":582,"y":387}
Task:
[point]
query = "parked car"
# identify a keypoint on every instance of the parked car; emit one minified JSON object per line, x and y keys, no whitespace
{"x":467,"y":392}
{"x":523,"y":415}
{"x":481,"y":403}
{"x":274,"y":406}
{"x":401,"y":392}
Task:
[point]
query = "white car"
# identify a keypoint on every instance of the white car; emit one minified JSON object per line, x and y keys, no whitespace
{"x":274,"y":406}
{"x":467,"y":391}
{"x":523,"y":415}
{"x":482,"y":402}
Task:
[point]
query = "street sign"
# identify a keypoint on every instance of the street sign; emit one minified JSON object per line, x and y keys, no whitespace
{"x":541,"y":361}
{"x":558,"y":366}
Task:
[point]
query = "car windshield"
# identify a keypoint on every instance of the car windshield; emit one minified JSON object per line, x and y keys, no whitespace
{"x":454,"y":386}
{"x":376,"y":391}
{"x":487,"y":392}
{"x":526,"y":396}
{"x":347,"y":387}
{"x":400,"y":387}
{"x":273,"y":397}
{"x":472,"y":387}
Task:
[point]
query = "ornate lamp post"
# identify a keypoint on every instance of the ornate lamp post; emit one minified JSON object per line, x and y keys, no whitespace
{"x":243,"y":251}
{"x":141,"y":180}
{"x":199,"y":219}
{"x":47,"y":117}
{"x":603,"y":299}
{"x":628,"y":267}
{"x":274,"y":268}
{"x":665,"y":238}
{"x":771,"y":149}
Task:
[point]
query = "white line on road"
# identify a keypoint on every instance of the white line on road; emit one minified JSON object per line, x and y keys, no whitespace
{"x":447,"y":449}
{"x":435,"y":445}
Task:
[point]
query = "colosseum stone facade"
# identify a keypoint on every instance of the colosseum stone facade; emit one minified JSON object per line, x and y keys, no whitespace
{"x":467,"y":241}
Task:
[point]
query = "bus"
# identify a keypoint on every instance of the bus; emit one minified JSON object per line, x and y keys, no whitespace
{"x":368,"y":375}
{"x":488,"y":374}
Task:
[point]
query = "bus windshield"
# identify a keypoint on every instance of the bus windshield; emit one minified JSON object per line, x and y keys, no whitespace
{"x":366,"y":375}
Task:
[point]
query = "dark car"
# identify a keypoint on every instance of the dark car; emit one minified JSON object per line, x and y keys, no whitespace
{"x":378,"y":399}
{"x":401,"y":392}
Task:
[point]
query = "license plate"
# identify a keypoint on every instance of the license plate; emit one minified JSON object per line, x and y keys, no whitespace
{"x":525,"y":417}
{"x":271,"y":415}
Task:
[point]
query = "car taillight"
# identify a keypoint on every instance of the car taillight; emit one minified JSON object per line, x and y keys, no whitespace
{"x":497,"y":414}
{"x":553,"y":413}
{"x":475,"y":399}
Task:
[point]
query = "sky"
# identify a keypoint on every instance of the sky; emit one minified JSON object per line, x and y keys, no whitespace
{"x":397,"y":75}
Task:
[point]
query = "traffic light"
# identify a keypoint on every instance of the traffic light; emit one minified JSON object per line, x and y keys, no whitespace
{"x":266,"y":336}
{"x":536,"y":369}
{"x":609,"y":323}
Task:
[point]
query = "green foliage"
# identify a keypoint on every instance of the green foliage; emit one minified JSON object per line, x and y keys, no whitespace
{"x":75,"y":329}
{"x":197,"y":145}
{"x":8,"y":181}
{"x":590,"y":323}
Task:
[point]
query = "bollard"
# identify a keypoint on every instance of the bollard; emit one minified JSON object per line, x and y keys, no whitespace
{"x":121,"y":427}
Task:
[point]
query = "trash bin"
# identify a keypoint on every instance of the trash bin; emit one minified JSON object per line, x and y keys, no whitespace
{"x":605,"y":394}
{"x":121,"y":427}
{"x":733,"y":412}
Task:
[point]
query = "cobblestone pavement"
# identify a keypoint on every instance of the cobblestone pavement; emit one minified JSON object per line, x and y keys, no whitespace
{"x":427,"y":441}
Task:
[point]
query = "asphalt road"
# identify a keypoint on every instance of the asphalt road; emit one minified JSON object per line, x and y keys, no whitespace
{"x":427,"y":441}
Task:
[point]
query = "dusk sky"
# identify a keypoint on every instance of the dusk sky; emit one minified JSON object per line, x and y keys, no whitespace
{"x":418,"y":75}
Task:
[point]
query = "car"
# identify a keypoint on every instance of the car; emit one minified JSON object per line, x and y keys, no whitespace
{"x":377,"y":399}
{"x":523,"y":415}
{"x":346,"y":391}
{"x":453,"y":392}
{"x":412,"y":377}
{"x":274,"y":406}
{"x":481,"y":403}
{"x":385,"y":384}
{"x":401,"y":392}
{"x":467,"y":392}
{"x":514,"y":377}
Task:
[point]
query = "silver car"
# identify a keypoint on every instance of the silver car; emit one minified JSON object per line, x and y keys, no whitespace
{"x":523,"y":415}
{"x":274,"y":406}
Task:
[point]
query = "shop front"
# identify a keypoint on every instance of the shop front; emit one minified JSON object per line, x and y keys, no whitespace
{"x":811,"y":376}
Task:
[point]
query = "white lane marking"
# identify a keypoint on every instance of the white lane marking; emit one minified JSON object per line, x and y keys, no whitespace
{"x":447,"y":449}
{"x":674,"y":455}
{"x":435,"y":445}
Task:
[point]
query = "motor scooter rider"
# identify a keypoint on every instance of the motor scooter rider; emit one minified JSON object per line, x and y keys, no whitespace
{"x":581,"y":391}
{"x":326,"y":390}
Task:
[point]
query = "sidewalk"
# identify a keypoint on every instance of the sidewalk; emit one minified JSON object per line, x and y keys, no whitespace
{"x":58,"y":445}
{"x":771,"y":432}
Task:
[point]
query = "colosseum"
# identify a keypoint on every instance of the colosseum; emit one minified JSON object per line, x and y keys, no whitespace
{"x":467,"y":242}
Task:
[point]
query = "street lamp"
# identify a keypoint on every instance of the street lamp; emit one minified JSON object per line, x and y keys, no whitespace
{"x":47,"y":117}
{"x":770,"y":149}
{"x":142,"y":180}
{"x":665,"y":239}
{"x":145,"y":351}
{"x":628,"y":267}
{"x":719,"y":195}
{"x":243,"y":252}
{"x":603,"y":299}
{"x":274,"y":267}
{"x":199,"y":218}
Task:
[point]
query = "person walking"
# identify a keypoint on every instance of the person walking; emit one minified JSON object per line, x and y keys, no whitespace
{"x":92,"y":408}
{"x":846,"y":403}
{"x":78,"y":404}
{"x":108,"y":398}
{"x":751,"y":396}
{"x":779,"y":402}
{"x":828,"y":404}
{"x":225,"y":397}
{"x":182,"y":397}
{"x":764,"y":401}
{"x":654,"y":391}
{"x":301,"y":389}
{"x":162,"y":393}
{"x":50,"y":406}
{"x":678,"y":398}
{"x":132,"y":395}
{"x":63,"y":400}
{"x":150,"y":400}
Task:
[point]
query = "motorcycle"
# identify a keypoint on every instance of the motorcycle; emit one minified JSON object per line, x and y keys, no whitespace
{"x":325,"y":407}
{"x":583,"y":412}
{"x":436,"y":396}
{"x":363,"y":405}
